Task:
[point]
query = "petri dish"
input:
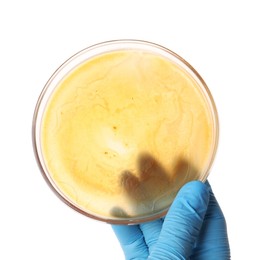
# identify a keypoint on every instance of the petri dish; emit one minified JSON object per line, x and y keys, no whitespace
{"x":120,"y":127}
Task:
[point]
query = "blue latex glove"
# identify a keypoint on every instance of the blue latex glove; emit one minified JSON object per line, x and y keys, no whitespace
{"x":194,"y":228}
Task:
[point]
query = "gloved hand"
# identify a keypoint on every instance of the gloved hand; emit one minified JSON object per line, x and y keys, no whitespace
{"x":194,"y":228}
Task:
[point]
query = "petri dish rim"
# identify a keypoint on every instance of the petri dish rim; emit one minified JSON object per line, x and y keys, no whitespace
{"x":74,"y":61}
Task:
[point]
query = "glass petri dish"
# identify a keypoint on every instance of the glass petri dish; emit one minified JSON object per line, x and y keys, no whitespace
{"x":120,"y":127}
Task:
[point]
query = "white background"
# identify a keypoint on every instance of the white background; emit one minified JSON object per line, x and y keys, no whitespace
{"x":219,"y":38}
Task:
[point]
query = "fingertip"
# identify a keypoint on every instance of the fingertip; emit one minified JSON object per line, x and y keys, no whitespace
{"x":194,"y":189}
{"x":193,"y":196}
{"x":196,"y":185}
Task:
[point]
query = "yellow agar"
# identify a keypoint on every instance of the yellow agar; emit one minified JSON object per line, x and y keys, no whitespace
{"x":124,"y":131}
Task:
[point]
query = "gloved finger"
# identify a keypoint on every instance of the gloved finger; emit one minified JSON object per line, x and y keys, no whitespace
{"x":182,"y":223}
{"x":151,"y":231}
{"x":132,"y":241}
{"x":213,"y":240}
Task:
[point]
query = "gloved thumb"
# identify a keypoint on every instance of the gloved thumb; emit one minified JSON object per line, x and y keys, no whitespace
{"x":182,"y":223}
